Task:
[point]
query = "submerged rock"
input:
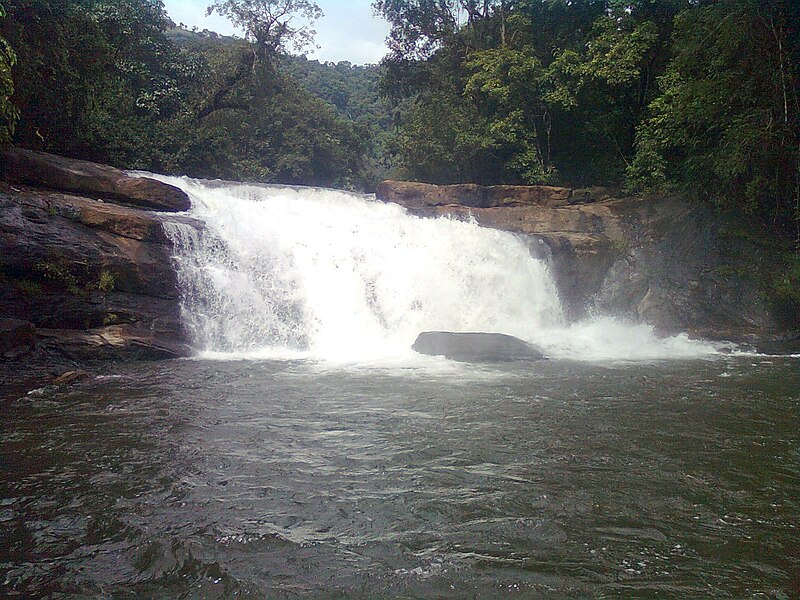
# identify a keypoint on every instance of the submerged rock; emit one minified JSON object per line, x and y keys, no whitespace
{"x":475,"y":346}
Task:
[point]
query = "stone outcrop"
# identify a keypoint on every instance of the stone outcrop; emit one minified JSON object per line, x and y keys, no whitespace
{"x":475,"y":346}
{"x":424,"y":195}
{"x":89,"y":179}
{"x":662,"y":260}
{"x":94,"y":279}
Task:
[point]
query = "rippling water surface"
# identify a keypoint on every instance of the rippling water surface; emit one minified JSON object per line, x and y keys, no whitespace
{"x":280,"y":479}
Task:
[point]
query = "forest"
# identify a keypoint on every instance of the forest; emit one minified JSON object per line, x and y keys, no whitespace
{"x":698,"y":97}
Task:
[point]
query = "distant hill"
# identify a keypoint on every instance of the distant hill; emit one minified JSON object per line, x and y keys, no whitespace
{"x":352,"y":90}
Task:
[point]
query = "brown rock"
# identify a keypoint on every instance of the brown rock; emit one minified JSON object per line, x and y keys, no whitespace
{"x":96,"y":279}
{"x":424,"y":195}
{"x":115,"y":342}
{"x":83,"y":177}
{"x":71,"y":377}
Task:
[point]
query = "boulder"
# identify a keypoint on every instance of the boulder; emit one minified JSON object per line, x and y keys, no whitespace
{"x":88,"y":178}
{"x":475,"y":347}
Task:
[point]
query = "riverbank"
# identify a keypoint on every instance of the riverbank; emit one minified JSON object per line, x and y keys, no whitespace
{"x":85,"y":267}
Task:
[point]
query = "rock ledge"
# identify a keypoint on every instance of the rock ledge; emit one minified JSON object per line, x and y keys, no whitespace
{"x":88,"y":178}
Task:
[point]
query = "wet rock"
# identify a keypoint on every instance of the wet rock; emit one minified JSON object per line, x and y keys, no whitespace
{"x":95,"y":279}
{"x":16,"y":337}
{"x":88,"y":178}
{"x":115,"y":342}
{"x":475,"y":347}
{"x":71,"y":254}
{"x":71,"y":377}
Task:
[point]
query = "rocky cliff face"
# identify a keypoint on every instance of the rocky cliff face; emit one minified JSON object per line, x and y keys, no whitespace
{"x":662,"y":260}
{"x":82,"y":276}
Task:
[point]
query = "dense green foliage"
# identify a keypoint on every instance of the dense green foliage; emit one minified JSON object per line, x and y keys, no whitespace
{"x":725,"y":125}
{"x":649,"y":94}
{"x":111,"y":81}
{"x":353,"y":91}
{"x":695,"y":95}
{"x":8,"y":112}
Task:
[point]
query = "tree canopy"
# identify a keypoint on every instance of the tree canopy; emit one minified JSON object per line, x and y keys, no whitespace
{"x":695,"y":95}
{"x":269,"y":23}
{"x":115,"y":82}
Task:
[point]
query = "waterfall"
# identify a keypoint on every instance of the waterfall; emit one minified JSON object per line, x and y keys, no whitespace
{"x":280,"y":272}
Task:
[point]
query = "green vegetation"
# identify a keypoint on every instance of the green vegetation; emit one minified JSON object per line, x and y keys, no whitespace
{"x":106,"y":281}
{"x":8,"y":112}
{"x":28,"y":287}
{"x":787,"y":284}
{"x":114,"y":82}
{"x":353,"y":92}
{"x":56,"y":274}
{"x":698,"y":96}
{"x":695,"y":95}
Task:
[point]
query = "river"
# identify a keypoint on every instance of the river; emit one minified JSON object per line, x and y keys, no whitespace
{"x":284,"y":479}
{"x":306,"y":451}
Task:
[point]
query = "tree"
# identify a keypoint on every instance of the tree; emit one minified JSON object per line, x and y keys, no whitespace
{"x":8,"y":112}
{"x":269,"y":23}
{"x":93,"y":77}
{"x":725,"y":126}
{"x":510,"y":84}
{"x":268,"y":26}
{"x":420,"y":27}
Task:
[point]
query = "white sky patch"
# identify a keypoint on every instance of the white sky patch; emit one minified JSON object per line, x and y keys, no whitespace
{"x":348,"y":31}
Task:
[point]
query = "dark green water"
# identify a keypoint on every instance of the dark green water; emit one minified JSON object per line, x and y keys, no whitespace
{"x":197,"y":479}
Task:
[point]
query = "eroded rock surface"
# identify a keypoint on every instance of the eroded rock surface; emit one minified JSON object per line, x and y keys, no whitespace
{"x":95,"y":279}
{"x":89,"y":179}
{"x":425,"y":195}
{"x":16,"y":336}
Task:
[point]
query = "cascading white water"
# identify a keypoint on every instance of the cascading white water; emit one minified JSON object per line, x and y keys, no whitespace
{"x":285,"y":272}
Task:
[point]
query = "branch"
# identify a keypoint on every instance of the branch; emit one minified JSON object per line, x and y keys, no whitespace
{"x":216,"y":102}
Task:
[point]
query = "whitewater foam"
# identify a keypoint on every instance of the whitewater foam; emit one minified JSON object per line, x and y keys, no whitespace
{"x":280,"y":272}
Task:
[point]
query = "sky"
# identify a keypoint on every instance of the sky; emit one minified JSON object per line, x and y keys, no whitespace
{"x":348,"y":31}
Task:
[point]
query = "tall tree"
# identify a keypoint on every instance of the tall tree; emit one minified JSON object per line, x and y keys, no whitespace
{"x":270,"y":27}
{"x":726,"y":123}
{"x":271,"y":24}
